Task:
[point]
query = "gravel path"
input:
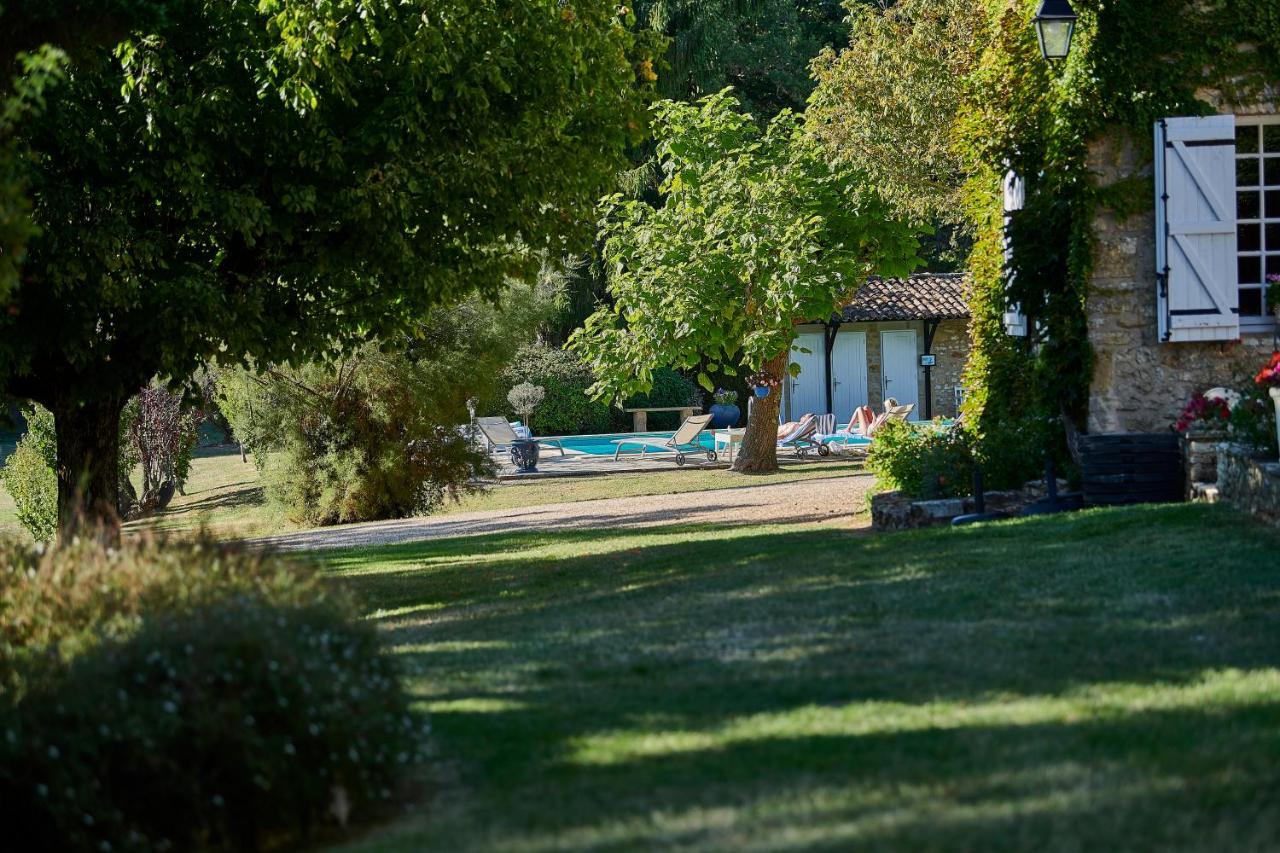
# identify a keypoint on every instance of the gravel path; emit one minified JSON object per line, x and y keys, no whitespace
{"x":801,"y":501}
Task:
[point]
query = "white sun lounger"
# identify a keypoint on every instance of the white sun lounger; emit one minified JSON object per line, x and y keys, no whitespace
{"x":683,"y":444}
{"x":501,"y":436}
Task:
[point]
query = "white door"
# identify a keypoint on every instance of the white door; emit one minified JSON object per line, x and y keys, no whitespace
{"x":808,"y":390}
{"x":901,"y":376}
{"x":848,"y":373}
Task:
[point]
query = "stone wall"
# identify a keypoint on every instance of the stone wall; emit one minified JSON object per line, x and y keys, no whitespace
{"x":1249,"y":485}
{"x":1140,"y":384}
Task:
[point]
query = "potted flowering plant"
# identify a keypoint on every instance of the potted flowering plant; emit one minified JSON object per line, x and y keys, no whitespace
{"x":725,"y":412}
{"x":1204,"y":412}
{"x":1269,"y":378}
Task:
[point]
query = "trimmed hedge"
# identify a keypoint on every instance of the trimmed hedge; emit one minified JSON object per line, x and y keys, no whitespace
{"x":188,"y":698}
{"x":566,"y":410}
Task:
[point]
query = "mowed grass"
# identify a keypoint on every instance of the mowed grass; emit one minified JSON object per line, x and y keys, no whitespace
{"x":1108,"y":680}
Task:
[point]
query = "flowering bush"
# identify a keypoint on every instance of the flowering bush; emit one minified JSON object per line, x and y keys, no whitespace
{"x":163,"y":434}
{"x":1269,"y":375}
{"x":1204,"y":410}
{"x":203,"y":698}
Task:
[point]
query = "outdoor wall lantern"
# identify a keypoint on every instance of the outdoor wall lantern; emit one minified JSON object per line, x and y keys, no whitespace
{"x":1055,"y":27}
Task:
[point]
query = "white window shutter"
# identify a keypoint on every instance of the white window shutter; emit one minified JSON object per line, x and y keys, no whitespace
{"x":1015,"y":322}
{"x":1196,"y":229}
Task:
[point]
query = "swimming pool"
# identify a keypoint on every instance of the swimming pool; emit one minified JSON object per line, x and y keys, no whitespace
{"x":603,"y":445}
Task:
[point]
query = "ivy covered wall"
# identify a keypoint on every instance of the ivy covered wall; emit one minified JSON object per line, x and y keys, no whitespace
{"x":1080,"y":135}
{"x":937,"y":99}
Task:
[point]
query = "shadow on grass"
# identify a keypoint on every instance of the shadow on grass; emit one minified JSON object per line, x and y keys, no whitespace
{"x":1066,"y":682}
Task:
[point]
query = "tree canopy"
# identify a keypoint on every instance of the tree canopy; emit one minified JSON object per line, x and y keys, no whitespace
{"x":760,"y":47}
{"x":755,"y":232}
{"x":277,"y":179}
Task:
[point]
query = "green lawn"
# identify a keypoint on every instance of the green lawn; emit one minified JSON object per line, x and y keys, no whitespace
{"x":1109,"y":680}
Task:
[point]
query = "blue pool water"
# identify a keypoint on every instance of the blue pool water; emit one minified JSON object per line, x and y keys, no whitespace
{"x":602,"y":445}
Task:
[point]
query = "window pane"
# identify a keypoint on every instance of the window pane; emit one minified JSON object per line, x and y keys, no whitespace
{"x":1247,"y":172}
{"x":1250,"y":302}
{"x":1247,"y":206}
{"x":1273,"y":265}
{"x":1249,"y":237}
{"x":1247,"y":139}
{"x":1250,"y":270}
{"x":1271,"y":138}
{"x":1272,"y":171}
{"x":1273,"y":236}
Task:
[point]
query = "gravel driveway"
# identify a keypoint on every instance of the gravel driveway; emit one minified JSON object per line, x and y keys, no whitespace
{"x":837,"y":499}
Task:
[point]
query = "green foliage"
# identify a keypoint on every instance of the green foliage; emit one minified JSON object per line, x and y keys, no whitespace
{"x":33,"y":485}
{"x":963,"y":87}
{"x":882,"y":104}
{"x":927,"y":462}
{"x":567,"y":408}
{"x":923,"y":461}
{"x":1253,"y":419}
{"x":184,"y":697}
{"x":275,"y":180}
{"x":366,"y":438}
{"x":755,"y":231}
{"x":762,"y":48}
{"x":374,"y":435}
{"x":670,"y":388}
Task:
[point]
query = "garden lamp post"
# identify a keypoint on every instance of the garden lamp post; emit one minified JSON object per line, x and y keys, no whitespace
{"x":1055,"y":27}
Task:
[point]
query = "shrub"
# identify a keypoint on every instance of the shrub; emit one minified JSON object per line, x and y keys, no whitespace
{"x":208,"y":699}
{"x":927,"y":462}
{"x":922,"y":460}
{"x":364,"y":441}
{"x":33,"y":485}
{"x":1253,"y":421}
{"x":566,"y":409}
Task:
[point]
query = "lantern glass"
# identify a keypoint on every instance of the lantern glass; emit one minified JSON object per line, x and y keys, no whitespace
{"x":1055,"y":36}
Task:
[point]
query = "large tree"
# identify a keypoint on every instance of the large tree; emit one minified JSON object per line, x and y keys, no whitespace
{"x":755,"y":232}
{"x":275,"y":179}
{"x":760,"y":47}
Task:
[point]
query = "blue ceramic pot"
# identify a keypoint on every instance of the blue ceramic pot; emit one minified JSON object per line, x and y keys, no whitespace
{"x":725,"y":416}
{"x":524,"y":455}
{"x":762,"y":391}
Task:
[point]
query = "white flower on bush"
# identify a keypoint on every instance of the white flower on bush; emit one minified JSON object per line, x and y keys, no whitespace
{"x":1226,"y":395}
{"x":524,"y":398}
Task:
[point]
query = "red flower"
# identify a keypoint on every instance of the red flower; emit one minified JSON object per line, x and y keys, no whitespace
{"x":1201,"y":408}
{"x":1270,"y":374}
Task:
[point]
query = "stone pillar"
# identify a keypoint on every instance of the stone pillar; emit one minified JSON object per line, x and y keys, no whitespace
{"x":1200,"y":448}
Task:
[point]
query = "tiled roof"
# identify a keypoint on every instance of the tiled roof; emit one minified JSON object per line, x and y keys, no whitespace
{"x":924,"y":296}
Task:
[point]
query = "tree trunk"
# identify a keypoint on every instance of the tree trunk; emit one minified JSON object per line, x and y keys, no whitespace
{"x":759,"y":452}
{"x":88,"y":468}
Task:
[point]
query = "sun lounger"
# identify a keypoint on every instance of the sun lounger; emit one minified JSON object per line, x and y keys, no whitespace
{"x":500,"y":435}
{"x":682,"y":444}
{"x":803,"y":438}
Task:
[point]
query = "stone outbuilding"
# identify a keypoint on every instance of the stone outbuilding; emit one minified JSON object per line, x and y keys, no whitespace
{"x":902,"y":338}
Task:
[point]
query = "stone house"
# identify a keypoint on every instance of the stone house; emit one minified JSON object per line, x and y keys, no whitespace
{"x":902,"y":338}
{"x":1177,"y":304}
